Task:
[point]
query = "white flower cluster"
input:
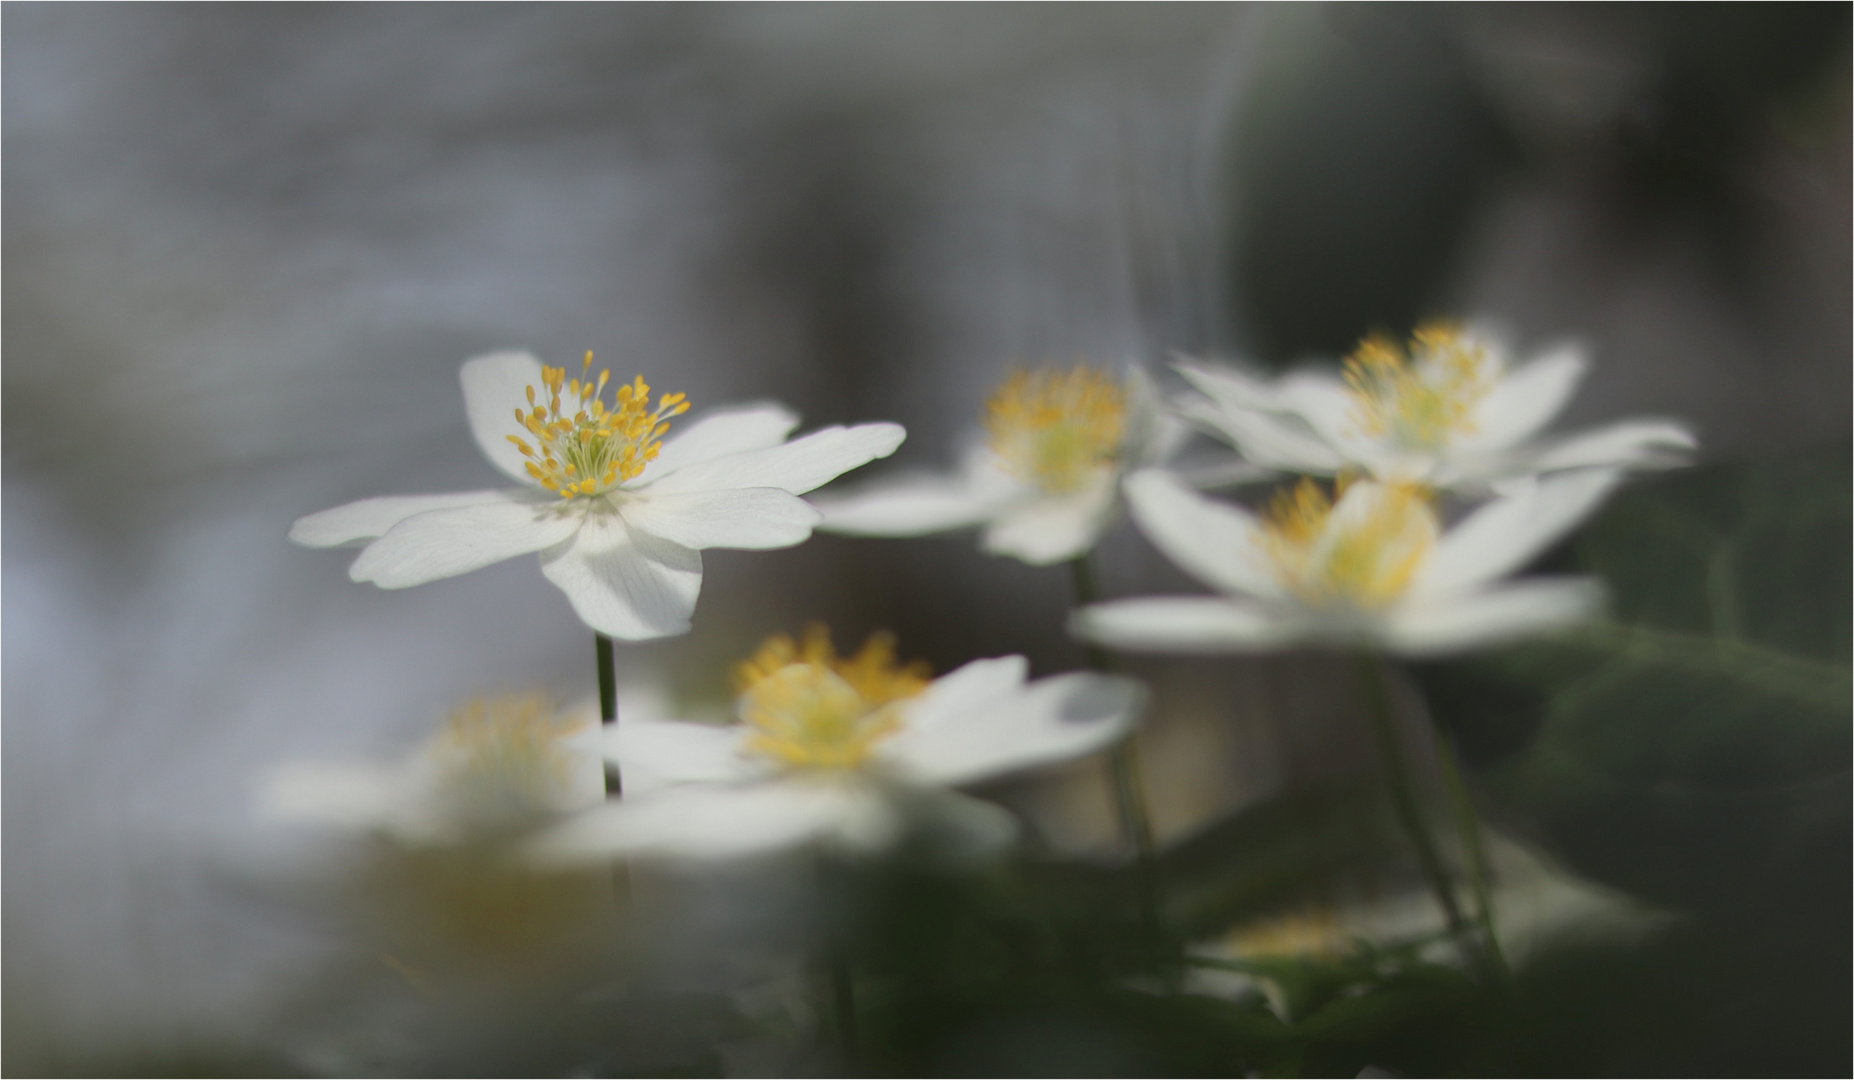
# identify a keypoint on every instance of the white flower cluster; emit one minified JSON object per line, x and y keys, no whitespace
{"x":1370,"y":565}
{"x":841,"y":751}
{"x":846,"y":753}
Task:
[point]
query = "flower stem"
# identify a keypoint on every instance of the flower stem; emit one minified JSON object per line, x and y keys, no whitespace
{"x":1081,"y":574}
{"x":843,"y":996}
{"x":1474,"y":853}
{"x":1123,"y":766}
{"x":1403,"y":797}
{"x":614,"y":781}
{"x":608,"y":706}
{"x":835,"y":900}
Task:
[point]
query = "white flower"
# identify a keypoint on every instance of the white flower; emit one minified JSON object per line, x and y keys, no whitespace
{"x":439,"y":888}
{"x":1449,"y":414}
{"x":1373,"y":569}
{"x":842,"y":753}
{"x":499,"y":767}
{"x":618,"y":514}
{"x":1045,"y":482}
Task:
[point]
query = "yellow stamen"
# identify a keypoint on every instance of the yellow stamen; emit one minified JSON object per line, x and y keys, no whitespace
{"x":1360,"y":551}
{"x":1422,"y":399}
{"x":511,"y":743}
{"x":811,"y":709}
{"x":1057,"y":429}
{"x":1313,"y":931}
{"x":594,"y":449}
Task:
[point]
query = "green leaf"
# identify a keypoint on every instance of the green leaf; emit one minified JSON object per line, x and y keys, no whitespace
{"x":1275,"y":853}
{"x":1694,"y":749}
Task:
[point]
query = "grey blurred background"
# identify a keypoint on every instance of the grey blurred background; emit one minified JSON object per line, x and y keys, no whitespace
{"x":247,"y":247}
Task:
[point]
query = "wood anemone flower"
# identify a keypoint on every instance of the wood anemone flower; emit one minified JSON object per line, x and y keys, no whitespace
{"x":618,"y":512}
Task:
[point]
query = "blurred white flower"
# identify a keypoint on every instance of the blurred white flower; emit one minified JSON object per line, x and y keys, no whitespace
{"x":1372,"y":569}
{"x":500,"y":766}
{"x":1044,"y":483}
{"x":435,"y":888}
{"x":618,"y":514}
{"x":1449,"y":413}
{"x":843,"y":753}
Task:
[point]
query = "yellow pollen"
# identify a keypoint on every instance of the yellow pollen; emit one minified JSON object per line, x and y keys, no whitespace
{"x":1422,"y":399}
{"x":510,"y":743}
{"x":811,"y":709}
{"x":595,"y":449}
{"x":1057,"y":429}
{"x":1313,"y":931}
{"x":1360,"y":551}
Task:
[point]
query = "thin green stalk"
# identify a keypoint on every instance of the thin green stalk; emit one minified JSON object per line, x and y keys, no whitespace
{"x":1123,"y":766}
{"x":608,"y":706}
{"x":1403,"y":797}
{"x":843,"y":996}
{"x":614,"y":780}
{"x":1081,"y":574}
{"x":834,"y":959}
{"x":1474,"y":852}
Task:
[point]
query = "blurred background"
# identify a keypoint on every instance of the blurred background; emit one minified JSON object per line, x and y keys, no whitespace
{"x":247,"y":248}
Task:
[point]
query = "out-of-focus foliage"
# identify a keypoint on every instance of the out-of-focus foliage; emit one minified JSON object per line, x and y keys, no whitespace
{"x":1274,"y":854}
{"x":1695,"y":752}
{"x":1038,"y":972}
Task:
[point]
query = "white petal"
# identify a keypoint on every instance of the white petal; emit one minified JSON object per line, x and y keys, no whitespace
{"x":444,"y":543}
{"x":583,"y":783}
{"x":1490,"y":618}
{"x":1628,"y":444}
{"x":1051,"y":720}
{"x":748,"y":518}
{"x":796,"y":467}
{"x":1326,"y":403}
{"x":1049,"y":529}
{"x":1153,"y":433}
{"x":700,"y":823}
{"x":625,"y":583}
{"x":1230,"y":387}
{"x":1522,"y":403}
{"x":910,"y":506}
{"x":350,"y":796}
{"x":1215,"y":542}
{"x":1505,"y":534}
{"x":653,"y":754}
{"x":959,"y":827}
{"x":369,"y":518}
{"x":1186,"y":624}
{"x":494,"y":386}
{"x":989,"y":481}
{"x":1268,"y":439}
{"x":969,"y":687}
{"x":1168,"y":435}
{"x":719,"y":432}
{"x":1232,"y":472}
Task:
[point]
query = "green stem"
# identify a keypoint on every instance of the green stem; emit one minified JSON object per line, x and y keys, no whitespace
{"x":614,"y":780}
{"x":1130,"y":794}
{"x":835,"y":900}
{"x":843,"y":995}
{"x":1403,"y":797}
{"x":608,"y":706}
{"x":1123,"y":767}
{"x":1474,"y":851}
{"x":1081,"y":574}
